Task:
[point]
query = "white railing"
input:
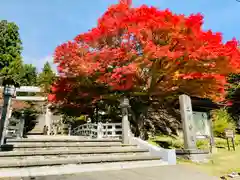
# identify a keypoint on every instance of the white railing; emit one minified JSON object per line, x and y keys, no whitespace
{"x":99,"y":130}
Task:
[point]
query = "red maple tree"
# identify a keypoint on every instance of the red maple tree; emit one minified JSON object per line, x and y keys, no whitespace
{"x":147,"y":50}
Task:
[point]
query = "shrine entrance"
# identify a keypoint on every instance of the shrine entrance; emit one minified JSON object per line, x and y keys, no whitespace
{"x":10,"y":126}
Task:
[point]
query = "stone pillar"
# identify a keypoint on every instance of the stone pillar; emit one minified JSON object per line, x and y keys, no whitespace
{"x":187,"y":122}
{"x":125,"y":122}
{"x":9,"y":92}
{"x":69,"y":129}
{"x":212,"y":141}
{"x":48,"y":119}
{"x":10,"y":112}
{"x":99,"y":130}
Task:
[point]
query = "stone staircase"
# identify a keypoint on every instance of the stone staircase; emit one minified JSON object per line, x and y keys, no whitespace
{"x":58,"y":151}
{"x":38,"y":128}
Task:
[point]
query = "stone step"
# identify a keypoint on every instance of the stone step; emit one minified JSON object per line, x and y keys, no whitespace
{"x":42,"y":140}
{"x":73,"y":151}
{"x":38,"y":128}
{"x":67,"y":156}
{"x":35,"y":130}
{"x":63,"y":144}
{"x":70,"y":169}
{"x":67,"y":146}
{"x":57,"y":137}
{"x":35,"y":133}
{"x":52,"y":137}
{"x":41,"y":161}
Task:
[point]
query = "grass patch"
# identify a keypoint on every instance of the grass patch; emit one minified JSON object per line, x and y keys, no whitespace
{"x":221,"y":163}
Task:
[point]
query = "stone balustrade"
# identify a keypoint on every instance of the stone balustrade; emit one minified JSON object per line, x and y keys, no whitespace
{"x":99,"y":130}
{"x":12,"y":131}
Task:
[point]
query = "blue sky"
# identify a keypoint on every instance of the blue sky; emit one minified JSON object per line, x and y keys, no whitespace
{"x":44,"y":24}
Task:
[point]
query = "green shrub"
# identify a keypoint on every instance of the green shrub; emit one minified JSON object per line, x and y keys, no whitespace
{"x":203,"y":144}
{"x":221,"y":121}
{"x":222,"y":143}
{"x":167,"y":142}
{"x":176,"y":142}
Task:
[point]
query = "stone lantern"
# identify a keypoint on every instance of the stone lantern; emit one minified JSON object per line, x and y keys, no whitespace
{"x":8,"y":93}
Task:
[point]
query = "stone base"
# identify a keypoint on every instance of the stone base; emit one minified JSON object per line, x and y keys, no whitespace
{"x":214,"y":150}
{"x":196,"y":155}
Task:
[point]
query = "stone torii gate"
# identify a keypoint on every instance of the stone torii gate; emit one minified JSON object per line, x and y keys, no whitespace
{"x":9,"y":94}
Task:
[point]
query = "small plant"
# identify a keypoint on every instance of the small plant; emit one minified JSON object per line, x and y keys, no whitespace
{"x":221,"y":121}
{"x":202,"y":144}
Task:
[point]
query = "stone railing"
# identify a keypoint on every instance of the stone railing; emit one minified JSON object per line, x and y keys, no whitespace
{"x":12,"y":131}
{"x":99,"y":130}
{"x":167,"y":156}
{"x":13,"y":127}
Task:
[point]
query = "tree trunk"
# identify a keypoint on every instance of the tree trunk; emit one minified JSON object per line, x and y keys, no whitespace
{"x":138,"y":125}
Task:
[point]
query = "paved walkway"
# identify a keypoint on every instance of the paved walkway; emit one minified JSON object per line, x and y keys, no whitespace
{"x":178,"y":172}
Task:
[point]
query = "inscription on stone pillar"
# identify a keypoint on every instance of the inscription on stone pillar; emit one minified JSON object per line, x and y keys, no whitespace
{"x":187,"y":122}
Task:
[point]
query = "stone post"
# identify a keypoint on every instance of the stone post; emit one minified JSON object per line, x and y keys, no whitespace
{"x":48,"y":119}
{"x":187,"y":122}
{"x":10,"y":113}
{"x":125,"y":122}
{"x":113,"y":130}
{"x":9,"y":92}
{"x":99,"y":130}
{"x":69,"y":130}
{"x":212,"y":141}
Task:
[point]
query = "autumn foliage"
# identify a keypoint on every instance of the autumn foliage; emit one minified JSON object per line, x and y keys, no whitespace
{"x":144,"y":49}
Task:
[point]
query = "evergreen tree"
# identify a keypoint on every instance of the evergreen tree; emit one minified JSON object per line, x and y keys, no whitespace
{"x":28,"y":75}
{"x":10,"y":52}
{"x":234,"y":96}
{"x":46,"y":77}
